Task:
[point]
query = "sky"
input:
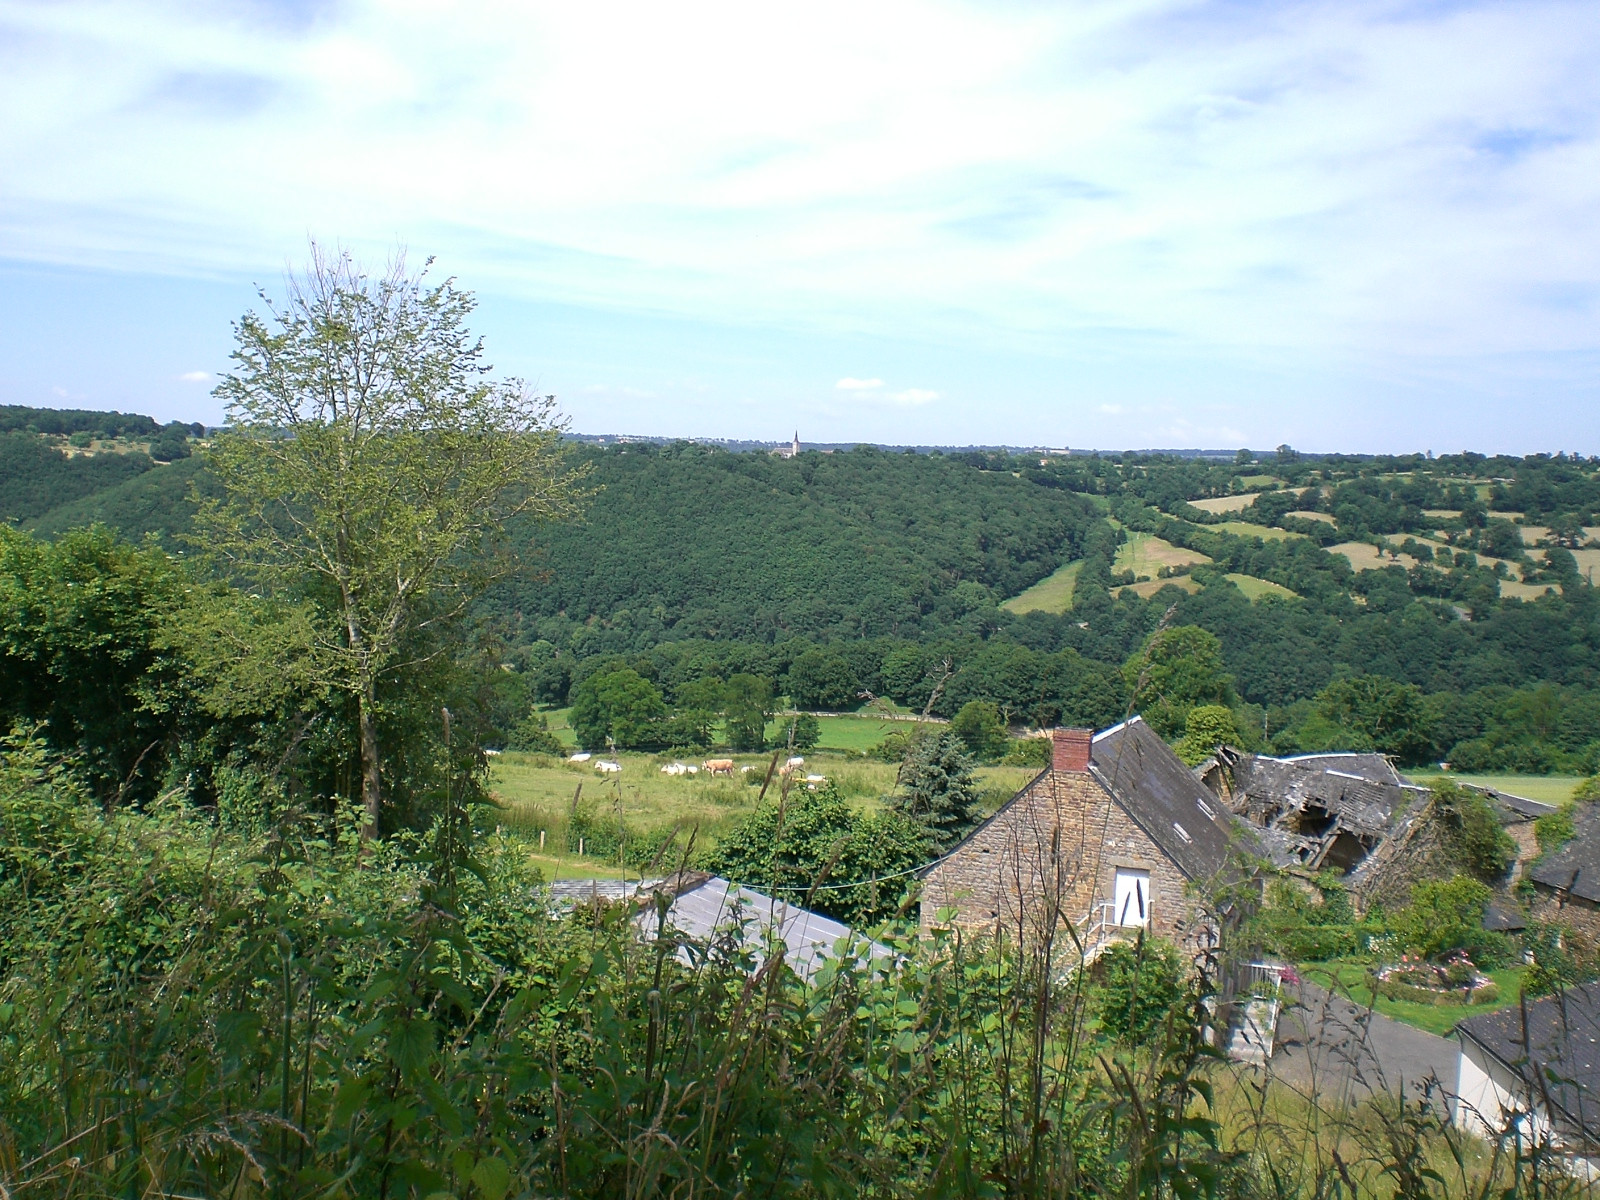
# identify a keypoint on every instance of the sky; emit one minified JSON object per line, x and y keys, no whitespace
{"x":1350,"y":226}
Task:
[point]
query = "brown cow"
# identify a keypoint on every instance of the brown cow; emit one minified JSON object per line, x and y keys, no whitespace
{"x":719,"y":766}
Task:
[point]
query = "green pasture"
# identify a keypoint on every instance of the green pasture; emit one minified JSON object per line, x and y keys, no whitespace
{"x":1256,"y":588}
{"x":1052,"y":594}
{"x":1549,"y":789}
{"x":1267,"y":533}
{"x":1145,"y":554}
{"x":850,"y":732}
{"x":535,"y":792}
{"x":1350,"y":978}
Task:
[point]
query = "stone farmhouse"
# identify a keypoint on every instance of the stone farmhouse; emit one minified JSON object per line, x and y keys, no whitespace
{"x":1116,"y":835}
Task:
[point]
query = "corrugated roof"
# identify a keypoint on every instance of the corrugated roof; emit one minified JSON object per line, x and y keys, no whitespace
{"x":1167,"y":800}
{"x":714,"y":906}
{"x":1557,"y":1055}
{"x":1575,"y":867}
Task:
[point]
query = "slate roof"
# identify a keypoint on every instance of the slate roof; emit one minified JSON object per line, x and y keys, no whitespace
{"x":715,"y":905}
{"x":1575,"y":867}
{"x":1167,"y":800}
{"x":1364,"y":764}
{"x":1559,"y":1058}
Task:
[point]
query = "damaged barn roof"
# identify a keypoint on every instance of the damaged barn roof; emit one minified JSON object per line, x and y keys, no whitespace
{"x":1320,"y":810}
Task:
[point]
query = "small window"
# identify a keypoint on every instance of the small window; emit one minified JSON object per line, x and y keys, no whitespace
{"x":1206,"y":808}
{"x":1182,"y":833}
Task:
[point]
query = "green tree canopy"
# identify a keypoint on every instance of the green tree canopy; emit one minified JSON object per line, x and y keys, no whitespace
{"x":1208,"y":726}
{"x":821,"y":680}
{"x":806,"y":838}
{"x":747,"y":705}
{"x":369,"y":467}
{"x":1382,"y":713}
{"x":1176,"y":670}
{"x":619,"y":705}
{"x":981,"y":730}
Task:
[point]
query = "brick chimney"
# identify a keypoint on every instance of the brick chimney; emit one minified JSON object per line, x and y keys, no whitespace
{"x":1070,"y":749}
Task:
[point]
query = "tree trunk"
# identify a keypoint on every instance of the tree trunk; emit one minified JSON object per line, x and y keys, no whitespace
{"x":371,"y":782}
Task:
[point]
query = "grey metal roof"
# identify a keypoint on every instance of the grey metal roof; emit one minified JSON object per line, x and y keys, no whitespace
{"x":717,"y":906}
{"x":1575,"y":867}
{"x":1557,"y":1055}
{"x":567,"y":892}
{"x":1166,"y":799}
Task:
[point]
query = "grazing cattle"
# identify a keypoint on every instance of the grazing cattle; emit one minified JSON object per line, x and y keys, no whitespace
{"x":796,"y":761}
{"x":582,"y":756}
{"x":719,"y":766}
{"x":676,"y":768}
{"x":816,"y":779}
{"x":606,"y":767}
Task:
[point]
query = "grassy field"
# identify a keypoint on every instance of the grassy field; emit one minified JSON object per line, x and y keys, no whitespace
{"x":536,"y":792}
{"x":1052,"y":594}
{"x":1256,"y":588}
{"x":1549,"y":789}
{"x":1350,"y":978}
{"x":1144,"y":554}
{"x":849,"y":731}
{"x":1226,"y":504}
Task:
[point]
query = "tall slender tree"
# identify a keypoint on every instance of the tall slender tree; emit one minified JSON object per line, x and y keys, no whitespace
{"x":369,"y":465}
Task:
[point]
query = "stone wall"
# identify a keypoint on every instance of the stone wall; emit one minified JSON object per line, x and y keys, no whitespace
{"x":1048,"y":858}
{"x":1563,"y":908}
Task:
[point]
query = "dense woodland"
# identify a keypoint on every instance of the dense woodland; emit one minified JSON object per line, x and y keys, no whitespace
{"x":840,"y":577}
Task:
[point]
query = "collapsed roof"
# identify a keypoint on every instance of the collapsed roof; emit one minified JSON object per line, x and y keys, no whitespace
{"x":1338,"y":811}
{"x":1318,"y":811}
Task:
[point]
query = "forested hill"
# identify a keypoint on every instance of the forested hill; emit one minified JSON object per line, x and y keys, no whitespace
{"x":686,"y":541}
{"x":1455,"y":592}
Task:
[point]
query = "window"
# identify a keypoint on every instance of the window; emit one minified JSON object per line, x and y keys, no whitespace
{"x":1183,"y":834}
{"x":1130,"y":898}
{"x":1206,"y":808}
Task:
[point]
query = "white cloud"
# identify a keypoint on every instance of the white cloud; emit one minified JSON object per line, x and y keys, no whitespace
{"x":847,"y":384}
{"x":195,"y":377}
{"x":1406,"y":186}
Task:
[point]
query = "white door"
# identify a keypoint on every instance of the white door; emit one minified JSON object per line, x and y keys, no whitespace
{"x":1130,"y":899}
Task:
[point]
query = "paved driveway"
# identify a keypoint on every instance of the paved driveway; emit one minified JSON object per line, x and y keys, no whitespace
{"x":1342,"y":1052}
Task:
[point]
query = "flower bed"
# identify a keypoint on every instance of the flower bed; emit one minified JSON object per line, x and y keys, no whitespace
{"x":1455,"y":981}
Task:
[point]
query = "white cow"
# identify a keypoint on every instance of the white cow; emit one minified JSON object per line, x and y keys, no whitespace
{"x":581,"y":756}
{"x":606,"y":767}
{"x":676,"y":768}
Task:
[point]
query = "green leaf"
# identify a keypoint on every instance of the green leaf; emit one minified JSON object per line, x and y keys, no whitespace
{"x":492,"y":1178}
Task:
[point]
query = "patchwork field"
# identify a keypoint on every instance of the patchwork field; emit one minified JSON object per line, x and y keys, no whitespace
{"x":1145,"y":554}
{"x":1365,"y":557}
{"x":1052,"y":594}
{"x":1226,"y":504}
{"x":1250,"y":529}
{"x":1256,"y":588}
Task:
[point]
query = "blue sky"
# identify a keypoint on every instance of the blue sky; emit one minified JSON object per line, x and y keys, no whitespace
{"x":1348,"y":226}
